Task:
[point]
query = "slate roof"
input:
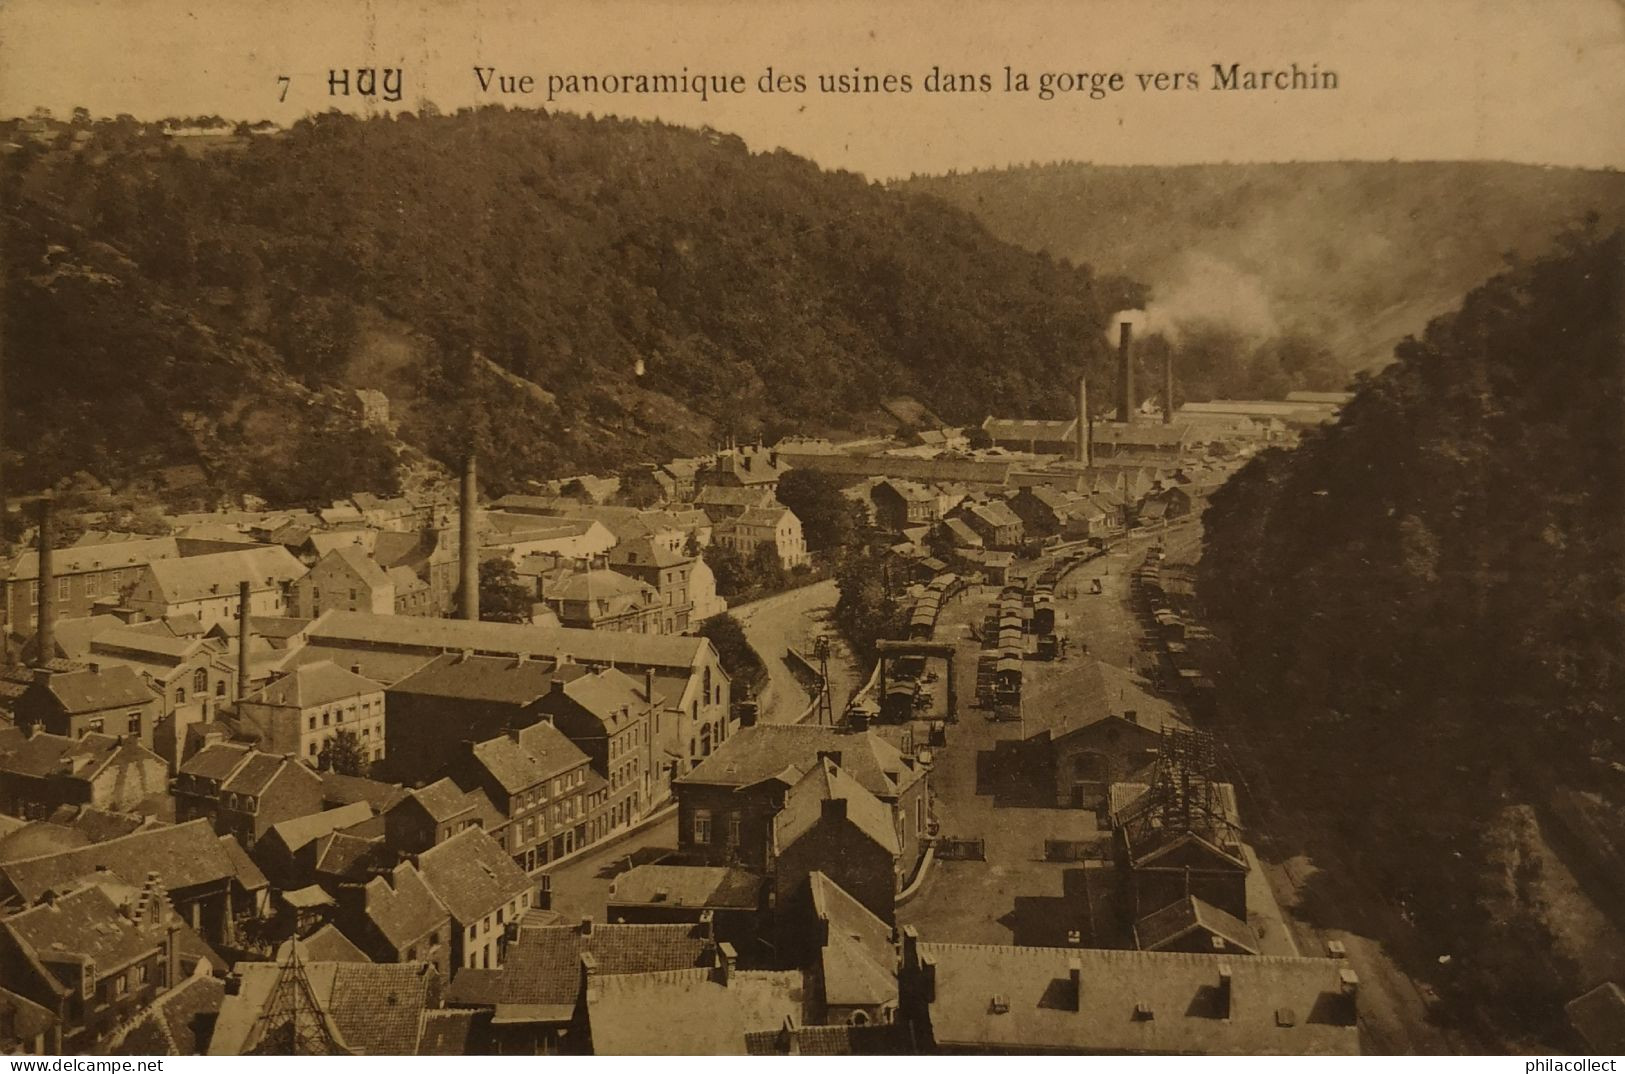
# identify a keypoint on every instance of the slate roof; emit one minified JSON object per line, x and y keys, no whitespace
{"x":859,"y":962}
{"x":607,"y":694}
{"x":524,"y":758}
{"x":301,"y":831}
{"x":217,"y":762}
{"x":359,"y":563}
{"x":442,"y":799}
{"x":787,"y":751}
{"x":326,"y":944}
{"x":1138,"y":1002}
{"x":542,"y":970}
{"x":381,"y":666}
{"x":507,"y":639}
{"x":39,"y":837}
{"x":93,"y":691}
{"x":217,"y":574}
{"x":700,"y":1014}
{"x":1029,"y":429}
{"x":257,"y":773}
{"x":179,"y":1022}
{"x":500,"y":679}
{"x":447,"y":1032}
{"x":312,"y":685}
{"x":347,"y":856}
{"x":401,"y":906}
{"x":962,"y":534}
{"x":761,"y":517}
{"x":342,"y":790}
{"x":184,"y":855}
{"x":471,"y":874}
{"x":102,"y":556}
{"x":1161,"y":928}
{"x":598,"y":584}
{"x":687,"y":886}
{"x":825,"y":781}
{"x":83,"y":926}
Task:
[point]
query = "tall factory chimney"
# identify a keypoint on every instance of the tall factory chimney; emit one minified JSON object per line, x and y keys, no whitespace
{"x":45,"y":627}
{"x":468,"y":544}
{"x":1168,"y":386}
{"x":1125,"y":371}
{"x":242,"y":639}
{"x":1084,"y":446}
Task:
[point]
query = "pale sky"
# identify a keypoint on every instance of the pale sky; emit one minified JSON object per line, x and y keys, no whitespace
{"x":1535,"y":81}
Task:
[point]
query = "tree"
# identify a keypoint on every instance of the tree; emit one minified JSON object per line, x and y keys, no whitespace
{"x":829,"y":520}
{"x":502,"y":598}
{"x":732,"y":573}
{"x":764,"y":568}
{"x":739,"y":659}
{"x":343,"y":754}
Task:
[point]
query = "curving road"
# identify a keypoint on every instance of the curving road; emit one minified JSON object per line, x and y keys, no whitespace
{"x":791,"y":619}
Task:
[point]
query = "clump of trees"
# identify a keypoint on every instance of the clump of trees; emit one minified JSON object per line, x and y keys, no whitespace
{"x":867,"y":609}
{"x":739,"y":658}
{"x":343,"y":754}
{"x":829,"y":520}
{"x":1427,"y":601}
{"x":503,"y":598}
{"x":746,"y":287}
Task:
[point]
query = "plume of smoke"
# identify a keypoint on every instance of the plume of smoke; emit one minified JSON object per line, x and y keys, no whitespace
{"x":1140,"y":319}
{"x":1205,"y":288}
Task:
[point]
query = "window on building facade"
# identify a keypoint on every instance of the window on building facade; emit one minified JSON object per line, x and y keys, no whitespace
{"x":702,"y":826}
{"x":313,"y":723}
{"x":63,"y":588}
{"x":200,"y":681}
{"x":134,"y":725}
{"x":707,"y":690}
{"x":733,"y":829}
{"x":90,"y":585}
{"x":180,"y":695}
{"x":96,"y":726}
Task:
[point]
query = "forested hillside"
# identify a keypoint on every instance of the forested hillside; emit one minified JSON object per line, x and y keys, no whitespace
{"x":1426,"y":603}
{"x":569,"y":292}
{"x":1351,"y":256}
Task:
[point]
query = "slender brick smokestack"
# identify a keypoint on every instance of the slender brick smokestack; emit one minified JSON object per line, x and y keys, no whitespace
{"x":1083,"y":421}
{"x":1125,"y":371}
{"x":468,"y":545}
{"x":45,"y":627}
{"x":242,"y":639}
{"x":1168,"y":386}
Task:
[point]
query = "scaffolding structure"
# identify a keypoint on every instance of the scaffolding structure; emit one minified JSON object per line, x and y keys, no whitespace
{"x":293,"y":1022}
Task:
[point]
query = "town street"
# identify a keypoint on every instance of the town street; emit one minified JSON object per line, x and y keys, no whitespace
{"x":581,"y":885}
{"x":792,"y":619}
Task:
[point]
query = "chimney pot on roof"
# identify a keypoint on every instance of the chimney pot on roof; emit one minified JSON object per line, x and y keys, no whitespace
{"x":1074,"y":972}
{"x":513,"y":733}
{"x":586,"y":925}
{"x":1226,"y":983}
{"x":1349,"y":982}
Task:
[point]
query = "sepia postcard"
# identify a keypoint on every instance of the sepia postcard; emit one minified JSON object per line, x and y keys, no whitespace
{"x":812,"y":528}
